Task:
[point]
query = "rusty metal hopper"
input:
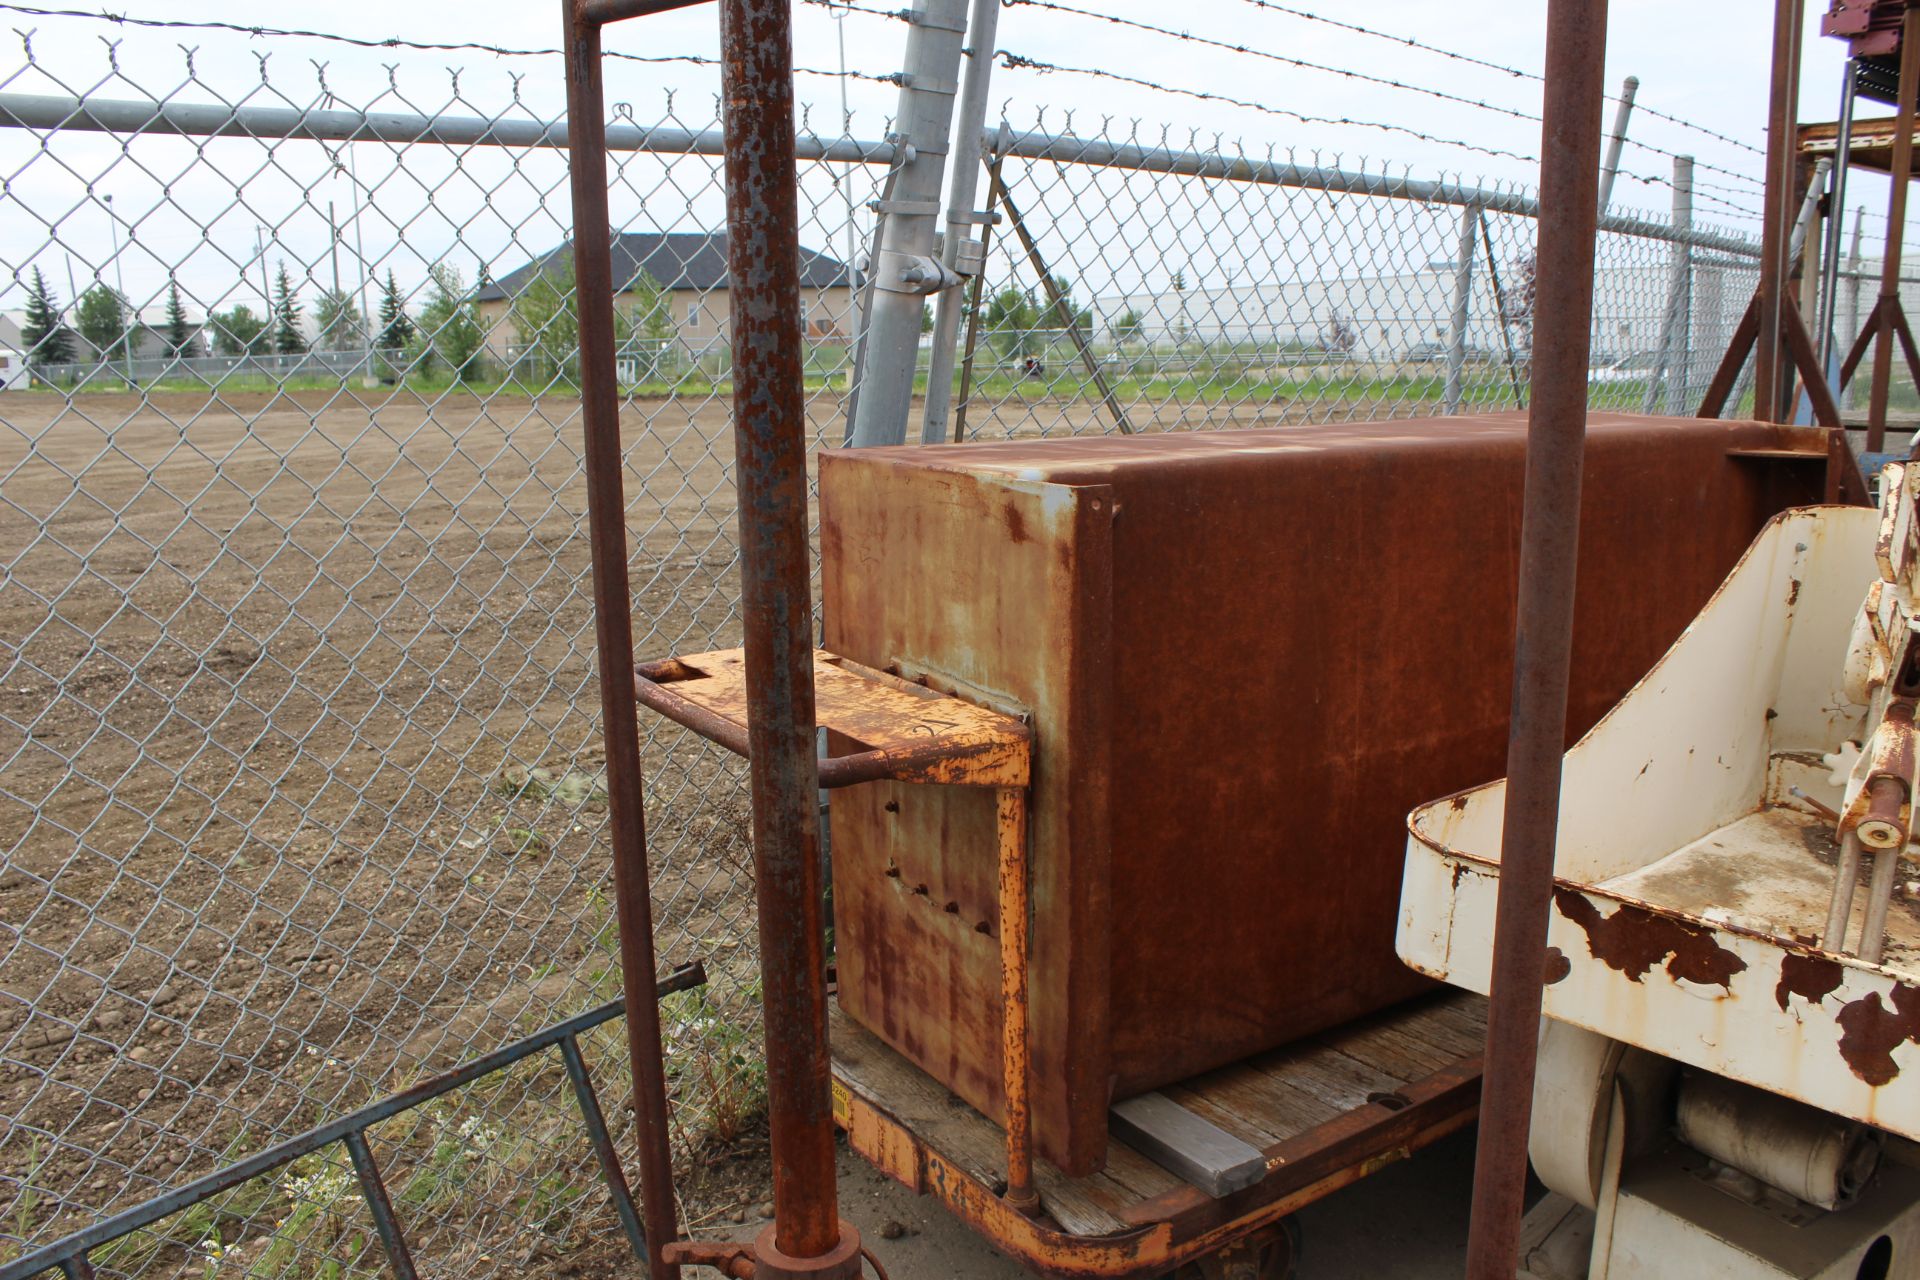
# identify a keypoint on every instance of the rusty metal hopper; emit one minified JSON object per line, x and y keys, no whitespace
{"x":1244,"y":656}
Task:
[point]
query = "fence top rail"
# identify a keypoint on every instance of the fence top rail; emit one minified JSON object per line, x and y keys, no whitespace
{"x":1069,"y":149}
{"x":211,"y":120}
{"x":131,"y":116}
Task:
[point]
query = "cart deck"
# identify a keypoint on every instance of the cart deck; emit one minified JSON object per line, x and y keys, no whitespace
{"x":1325,"y":1112}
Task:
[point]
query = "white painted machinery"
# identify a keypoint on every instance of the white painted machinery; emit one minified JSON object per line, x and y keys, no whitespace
{"x":1729,"y":1080}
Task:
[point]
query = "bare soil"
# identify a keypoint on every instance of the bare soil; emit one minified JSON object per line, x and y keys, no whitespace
{"x":275,"y":669}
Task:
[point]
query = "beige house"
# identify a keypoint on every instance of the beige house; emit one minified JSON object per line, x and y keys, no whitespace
{"x":692,"y":268}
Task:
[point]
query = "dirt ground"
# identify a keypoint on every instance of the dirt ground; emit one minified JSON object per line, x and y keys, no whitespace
{"x":277,"y":672}
{"x":301,"y":782}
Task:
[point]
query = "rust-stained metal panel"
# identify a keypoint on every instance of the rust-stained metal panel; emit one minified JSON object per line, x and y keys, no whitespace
{"x":1245,"y":656}
{"x":1013,"y":613}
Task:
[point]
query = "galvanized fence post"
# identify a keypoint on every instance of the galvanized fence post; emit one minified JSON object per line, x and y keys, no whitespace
{"x":1611,"y":168}
{"x":1853,"y":295}
{"x":1462,"y":307}
{"x":959,"y":251}
{"x":1680,"y":353}
{"x":1669,"y":371}
{"x":1829,"y":298}
{"x":904,"y":271}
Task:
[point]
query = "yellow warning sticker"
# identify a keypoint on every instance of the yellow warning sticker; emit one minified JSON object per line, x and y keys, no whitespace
{"x":842,"y":1105}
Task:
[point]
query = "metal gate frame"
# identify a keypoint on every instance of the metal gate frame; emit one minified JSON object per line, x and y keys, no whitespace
{"x":70,"y":1253}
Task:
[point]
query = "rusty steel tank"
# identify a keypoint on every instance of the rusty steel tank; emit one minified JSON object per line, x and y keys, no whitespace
{"x":1244,"y":656}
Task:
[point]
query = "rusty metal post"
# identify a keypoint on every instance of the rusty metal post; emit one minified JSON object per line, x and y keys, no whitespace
{"x":1768,"y":368}
{"x":1015,"y":1059}
{"x":1896,"y":226}
{"x":769,"y":423}
{"x":613,"y":625}
{"x":1549,"y":536}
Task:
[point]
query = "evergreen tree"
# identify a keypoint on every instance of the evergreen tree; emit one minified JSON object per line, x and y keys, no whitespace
{"x":180,"y":340}
{"x":396,"y":330}
{"x":48,"y":341}
{"x":287,"y":339}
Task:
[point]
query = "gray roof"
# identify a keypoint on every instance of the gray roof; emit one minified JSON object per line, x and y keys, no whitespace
{"x":682,"y":260}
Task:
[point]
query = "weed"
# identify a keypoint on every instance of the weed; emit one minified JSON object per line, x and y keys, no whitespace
{"x":714,"y":1066}
{"x":526,"y":840}
{"x":28,"y":1202}
{"x":322,"y":1210}
{"x":570,"y":787}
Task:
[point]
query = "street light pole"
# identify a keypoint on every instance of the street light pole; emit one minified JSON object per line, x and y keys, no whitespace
{"x":120,"y":290}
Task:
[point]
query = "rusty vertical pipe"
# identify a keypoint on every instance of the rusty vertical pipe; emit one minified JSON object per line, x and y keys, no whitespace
{"x":613,"y":626}
{"x":1549,"y":532}
{"x":1902,"y":167}
{"x":1778,"y":213}
{"x":1015,"y":1058}
{"x":769,"y":424}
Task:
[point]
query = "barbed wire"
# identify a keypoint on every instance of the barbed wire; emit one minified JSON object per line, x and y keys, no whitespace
{"x":1732,"y":191}
{"x":1504,"y":69}
{"x":1018,"y":61}
{"x":1021,"y":62}
{"x":397,"y":42}
{"x":1262,"y":53}
{"x":1347,"y":72}
{"x":1755,"y":186}
{"x":897,"y":15}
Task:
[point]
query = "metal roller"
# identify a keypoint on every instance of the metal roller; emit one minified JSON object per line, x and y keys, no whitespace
{"x":1807,"y":1153}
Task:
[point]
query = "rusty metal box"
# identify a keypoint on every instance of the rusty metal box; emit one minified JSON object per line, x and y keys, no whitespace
{"x":1245,"y":656}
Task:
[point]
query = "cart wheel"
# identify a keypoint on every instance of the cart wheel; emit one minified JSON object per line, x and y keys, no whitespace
{"x":1267,"y":1255}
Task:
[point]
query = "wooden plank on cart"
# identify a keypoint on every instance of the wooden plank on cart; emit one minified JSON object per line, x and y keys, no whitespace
{"x":1187,"y":1143}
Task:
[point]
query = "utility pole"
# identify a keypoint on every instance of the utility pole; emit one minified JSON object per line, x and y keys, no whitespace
{"x":120,"y":288}
{"x":260,"y":249}
{"x":339,"y":303}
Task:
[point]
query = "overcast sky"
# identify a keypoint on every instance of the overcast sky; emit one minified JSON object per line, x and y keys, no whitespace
{"x":1705,"y":63}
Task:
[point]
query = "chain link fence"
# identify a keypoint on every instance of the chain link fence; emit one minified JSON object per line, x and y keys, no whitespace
{"x":300,"y":775}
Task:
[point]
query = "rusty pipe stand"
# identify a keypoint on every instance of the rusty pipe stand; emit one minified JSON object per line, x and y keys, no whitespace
{"x":808,"y":1237}
{"x":1549,"y":543}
